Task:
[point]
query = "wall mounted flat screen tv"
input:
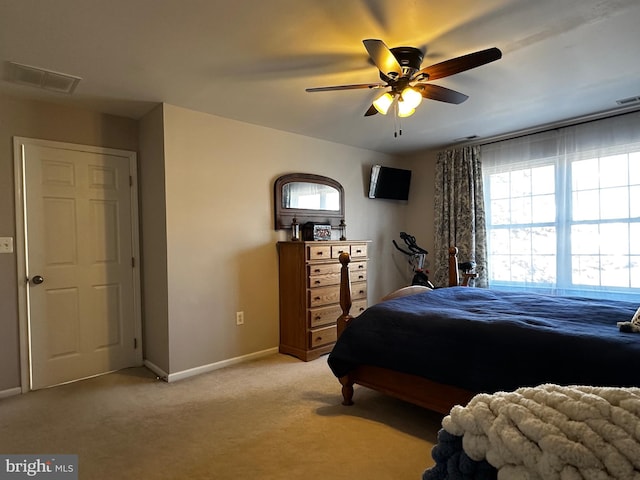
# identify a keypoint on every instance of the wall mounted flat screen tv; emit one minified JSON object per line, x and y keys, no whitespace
{"x":390,"y":183}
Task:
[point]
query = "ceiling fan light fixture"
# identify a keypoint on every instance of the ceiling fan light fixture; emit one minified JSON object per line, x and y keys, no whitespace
{"x":383,"y":102}
{"x":405,"y":109}
{"x":411,"y":97}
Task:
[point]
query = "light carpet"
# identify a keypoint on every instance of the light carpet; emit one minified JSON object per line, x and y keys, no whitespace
{"x":273,"y":418}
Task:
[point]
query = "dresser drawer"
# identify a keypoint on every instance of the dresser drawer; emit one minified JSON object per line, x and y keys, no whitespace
{"x":358,"y":276}
{"x":324,"y":296}
{"x":324,"y":280}
{"x":336,"y":250}
{"x":322,"y":336}
{"x":319,"y":252}
{"x":358,"y":291}
{"x":357,"y":266}
{"x":324,"y":268}
{"x":357,"y":308}
{"x":324,"y":315}
{"x":359,"y":250}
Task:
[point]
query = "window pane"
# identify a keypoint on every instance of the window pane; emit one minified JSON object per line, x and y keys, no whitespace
{"x":614,"y":238}
{"x":613,"y":171}
{"x":585,"y":239}
{"x":500,"y":268}
{"x":520,"y":240}
{"x":520,"y":268}
{"x":586,"y":205}
{"x":615,"y":272}
{"x":543,"y":180}
{"x":634,"y":201}
{"x":634,"y":168}
{"x":499,"y":241}
{"x":634,"y":236}
{"x":544,"y":269}
{"x":521,"y":183}
{"x":521,"y":210}
{"x":499,"y":185}
{"x":584,"y":174}
{"x":634,"y":271}
{"x":500,"y":212}
{"x":543,"y":209}
{"x":614,"y":203}
{"x":586,"y":269}
{"x":543,"y":241}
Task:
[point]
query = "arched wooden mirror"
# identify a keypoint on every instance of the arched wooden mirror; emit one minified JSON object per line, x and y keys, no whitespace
{"x":307,"y":198}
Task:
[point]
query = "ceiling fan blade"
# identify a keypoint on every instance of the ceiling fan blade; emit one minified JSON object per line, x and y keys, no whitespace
{"x":346,"y":87}
{"x":383,"y":58}
{"x":460,"y":64}
{"x":372,"y":111}
{"x":442,"y":94}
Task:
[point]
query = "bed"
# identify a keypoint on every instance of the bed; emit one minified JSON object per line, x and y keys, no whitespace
{"x":439,"y":348}
{"x":532,"y":386}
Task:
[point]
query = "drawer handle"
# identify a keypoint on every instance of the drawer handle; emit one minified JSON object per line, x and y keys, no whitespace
{"x":318,"y":339}
{"x":317,"y":270}
{"x":360,"y":277}
{"x":317,"y":317}
{"x":358,"y":251}
{"x":360,"y":267}
{"x":317,"y":298}
{"x":317,"y":282}
{"x":319,"y":253}
{"x":361,"y":291}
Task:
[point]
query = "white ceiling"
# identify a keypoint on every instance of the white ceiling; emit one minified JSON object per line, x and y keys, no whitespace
{"x":251,"y":60}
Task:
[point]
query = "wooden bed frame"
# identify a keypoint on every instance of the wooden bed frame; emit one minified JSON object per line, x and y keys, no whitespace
{"x":435,"y":396}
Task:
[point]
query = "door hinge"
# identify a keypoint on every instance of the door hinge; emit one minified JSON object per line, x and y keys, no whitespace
{"x":135,"y":343}
{"x":130,"y":181}
{"x":133,"y":262}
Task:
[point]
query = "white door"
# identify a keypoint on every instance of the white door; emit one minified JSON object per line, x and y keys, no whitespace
{"x":80,"y":247}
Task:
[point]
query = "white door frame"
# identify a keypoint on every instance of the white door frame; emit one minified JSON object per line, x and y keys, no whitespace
{"x":20,"y":244}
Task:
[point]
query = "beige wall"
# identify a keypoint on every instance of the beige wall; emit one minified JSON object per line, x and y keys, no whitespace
{"x":208,"y":244}
{"x":24,"y":118}
{"x":420,"y":215}
{"x":221,"y":246}
{"x":153,"y":240}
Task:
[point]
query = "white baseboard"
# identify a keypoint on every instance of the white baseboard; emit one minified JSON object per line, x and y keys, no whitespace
{"x":172,"y":377}
{"x":10,"y":392}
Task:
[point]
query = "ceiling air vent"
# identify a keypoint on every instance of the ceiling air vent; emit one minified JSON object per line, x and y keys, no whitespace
{"x":41,"y":78}
{"x":627,"y":101}
{"x":466,"y":139}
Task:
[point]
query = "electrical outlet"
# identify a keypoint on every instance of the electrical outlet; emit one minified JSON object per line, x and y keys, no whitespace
{"x":239,"y":318}
{"x":6,"y":244}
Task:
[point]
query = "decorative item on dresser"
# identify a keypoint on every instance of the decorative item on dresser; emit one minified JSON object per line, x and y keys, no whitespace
{"x":309,"y":274}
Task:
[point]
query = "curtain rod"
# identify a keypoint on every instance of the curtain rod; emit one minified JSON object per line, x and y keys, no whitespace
{"x":548,"y":127}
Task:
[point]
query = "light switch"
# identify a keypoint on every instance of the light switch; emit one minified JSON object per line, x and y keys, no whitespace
{"x":6,"y":244}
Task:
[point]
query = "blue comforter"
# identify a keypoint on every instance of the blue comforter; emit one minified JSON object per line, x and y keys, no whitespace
{"x":485,"y":341}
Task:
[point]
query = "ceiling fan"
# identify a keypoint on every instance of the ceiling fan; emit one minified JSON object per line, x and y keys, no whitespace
{"x":400,"y":71}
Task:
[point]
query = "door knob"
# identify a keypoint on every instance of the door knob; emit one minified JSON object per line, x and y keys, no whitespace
{"x":37,"y":279}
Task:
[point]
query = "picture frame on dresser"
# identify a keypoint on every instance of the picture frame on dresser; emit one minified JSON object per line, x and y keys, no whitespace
{"x":309,"y":293}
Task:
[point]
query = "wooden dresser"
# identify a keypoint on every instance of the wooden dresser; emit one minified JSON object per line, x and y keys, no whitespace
{"x":310,"y":293}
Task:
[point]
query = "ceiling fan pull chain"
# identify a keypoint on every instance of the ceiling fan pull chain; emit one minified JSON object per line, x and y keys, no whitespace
{"x":395,"y":120}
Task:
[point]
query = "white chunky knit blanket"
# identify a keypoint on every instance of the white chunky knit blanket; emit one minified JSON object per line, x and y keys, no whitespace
{"x":553,"y":432}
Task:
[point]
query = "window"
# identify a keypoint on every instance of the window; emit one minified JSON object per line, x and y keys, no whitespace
{"x":563,"y":210}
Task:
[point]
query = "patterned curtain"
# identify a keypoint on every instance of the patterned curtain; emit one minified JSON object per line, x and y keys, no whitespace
{"x":459,"y":213}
